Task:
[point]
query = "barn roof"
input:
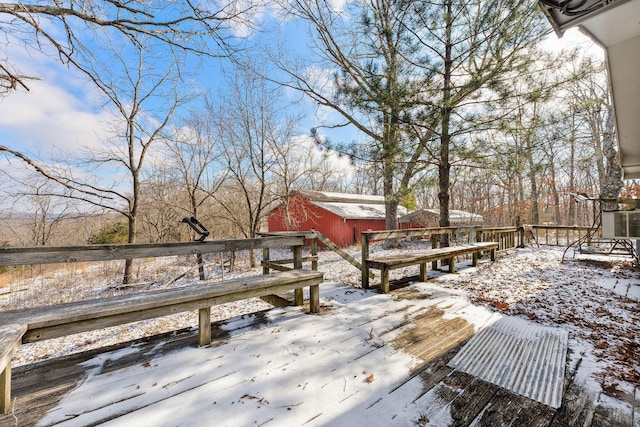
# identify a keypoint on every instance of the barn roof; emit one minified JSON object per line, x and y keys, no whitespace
{"x":327,"y":196}
{"x":455,"y":216}
{"x":350,"y":206}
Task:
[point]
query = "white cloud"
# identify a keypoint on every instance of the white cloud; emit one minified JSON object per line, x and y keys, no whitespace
{"x":47,"y":117}
{"x":59,"y":112}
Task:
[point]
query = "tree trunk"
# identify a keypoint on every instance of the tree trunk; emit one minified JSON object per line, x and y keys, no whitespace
{"x":128,"y":263}
{"x":613,"y":175}
{"x":572,"y":216}
{"x":444,"y":166}
{"x":534,"y":190}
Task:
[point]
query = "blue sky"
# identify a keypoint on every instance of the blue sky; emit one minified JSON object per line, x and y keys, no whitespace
{"x":63,"y":112}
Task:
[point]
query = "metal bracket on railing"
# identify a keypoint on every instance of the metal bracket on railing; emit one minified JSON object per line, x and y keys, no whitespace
{"x":197,"y":226}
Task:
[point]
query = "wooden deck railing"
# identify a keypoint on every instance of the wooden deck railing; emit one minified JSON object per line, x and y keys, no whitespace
{"x":504,"y":236}
{"x":562,"y":235}
{"x":39,"y":255}
{"x":56,"y":320}
{"x":27,"y":255}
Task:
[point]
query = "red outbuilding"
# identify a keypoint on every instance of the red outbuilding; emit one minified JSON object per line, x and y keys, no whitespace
{"x":341,"y":217}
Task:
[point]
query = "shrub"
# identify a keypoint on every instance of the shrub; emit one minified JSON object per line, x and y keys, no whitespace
{"x":112,"y":233}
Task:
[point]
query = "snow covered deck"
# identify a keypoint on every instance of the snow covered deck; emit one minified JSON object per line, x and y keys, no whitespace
{"x":368,"y":359}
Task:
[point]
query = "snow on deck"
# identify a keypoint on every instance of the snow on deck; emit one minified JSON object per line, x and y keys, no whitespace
{"x":368,"y":359}
{"x":299,"y":369}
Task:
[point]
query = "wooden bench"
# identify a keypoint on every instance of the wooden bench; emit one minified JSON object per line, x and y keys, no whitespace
{"x":387,"y":263}
{"x":41,"y":323}
{"x":10,"y":339}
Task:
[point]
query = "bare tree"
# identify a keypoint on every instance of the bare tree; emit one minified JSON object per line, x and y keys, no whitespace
{"x":252,"y":129}
{"x":192,"y":152}
{"x":143,"y":100}
{"x":67,"y":29}
{"x":161,"y":204}
{"x":590,"y":99}
{"x":40,"y":214}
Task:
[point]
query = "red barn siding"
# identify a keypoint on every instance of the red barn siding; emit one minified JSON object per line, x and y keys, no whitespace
{"x":307,"y":216}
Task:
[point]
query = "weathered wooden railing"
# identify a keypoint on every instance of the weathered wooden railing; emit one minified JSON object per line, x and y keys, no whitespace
{"x":11,"y":256}
{"x":39,"y":255}
{"x":57,"y":320}
{"x":313,"y":238}
{"x":562,"y":235}
{"x":309,"y":238}
{"x":504,"y":236}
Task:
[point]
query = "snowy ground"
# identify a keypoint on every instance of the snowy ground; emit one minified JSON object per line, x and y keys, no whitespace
{"x":596,"y":299}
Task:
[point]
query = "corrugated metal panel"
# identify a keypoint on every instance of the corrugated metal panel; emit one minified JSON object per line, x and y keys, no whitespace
{"x":520,"y":356}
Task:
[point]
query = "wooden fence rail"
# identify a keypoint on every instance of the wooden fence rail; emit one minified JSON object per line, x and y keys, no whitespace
{"x":562,"y":235}
{"x":27,"y":255}
{"x":38,"y":255}
{"x":504,"y":236}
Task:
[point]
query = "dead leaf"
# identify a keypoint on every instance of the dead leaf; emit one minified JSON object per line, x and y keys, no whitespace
{"x":369,"y":378}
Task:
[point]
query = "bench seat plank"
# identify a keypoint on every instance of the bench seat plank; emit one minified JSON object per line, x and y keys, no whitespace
{"x":399,"y":261}
{"x":428,"y":255}
{"x":41,"y":323}
{"x":69,"y":318}
{"x":387,"y":263}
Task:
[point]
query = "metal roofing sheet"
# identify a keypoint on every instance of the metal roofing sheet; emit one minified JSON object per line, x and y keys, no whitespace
{"x":520,"y":356}
{"x":357,"y":210}
{"x":455,"y":216}
{"x":327,"y":196}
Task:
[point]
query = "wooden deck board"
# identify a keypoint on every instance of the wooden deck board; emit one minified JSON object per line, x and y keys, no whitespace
{"x":468,"y":404}
{"x":610,"y":417}
{"x":577,"y":405}
{"x":439,"y":392}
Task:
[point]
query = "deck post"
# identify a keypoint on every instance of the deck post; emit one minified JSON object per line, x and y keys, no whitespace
{"x":384,"y":281}
{"x":314,"y":298}
{"x":365,"y":256}
{"x":298,"y":294}
{"x":423,"y":272}
{"x":265,"y":257}
{"x":452,"y":265}
{"x":435,"y":243}
{"x":314,"y":252}
{"x":5,"y":389}
{"x":204,"y":326}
